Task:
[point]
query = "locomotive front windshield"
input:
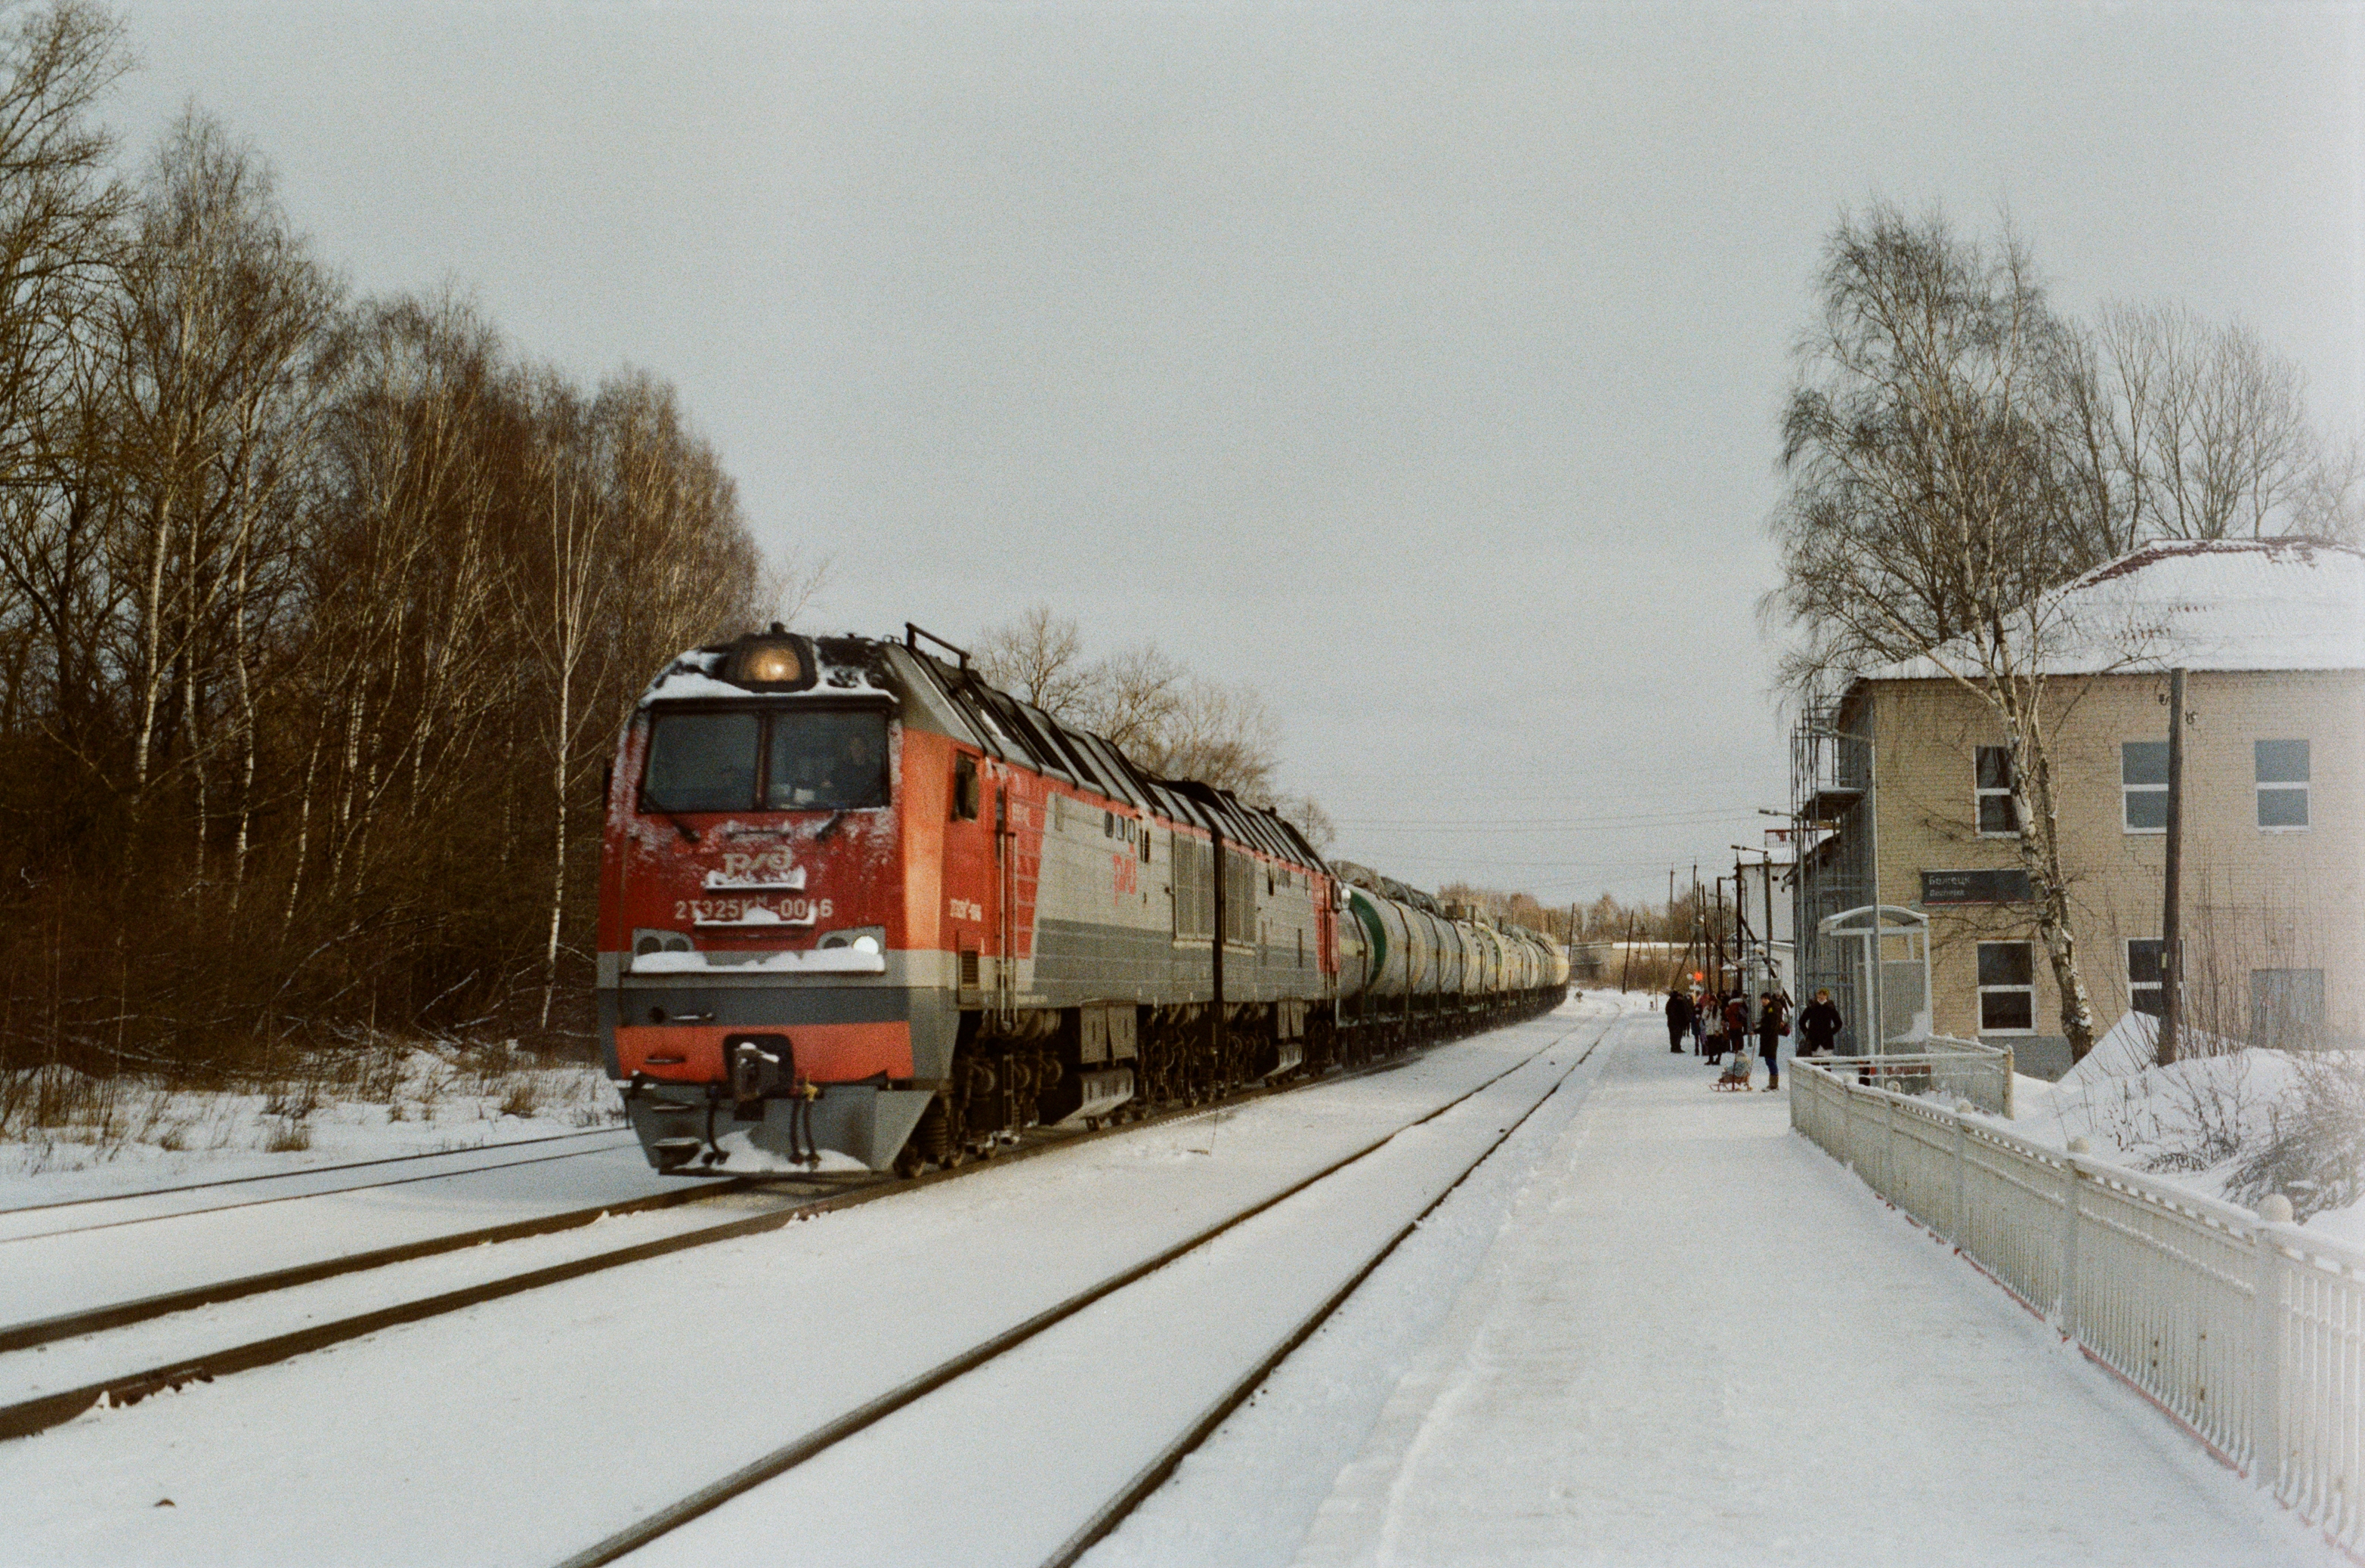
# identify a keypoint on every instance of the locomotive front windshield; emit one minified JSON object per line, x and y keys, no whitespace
{"x":794,"y":761}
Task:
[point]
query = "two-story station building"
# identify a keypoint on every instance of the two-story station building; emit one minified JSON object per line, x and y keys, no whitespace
{"x":2271,"y":633}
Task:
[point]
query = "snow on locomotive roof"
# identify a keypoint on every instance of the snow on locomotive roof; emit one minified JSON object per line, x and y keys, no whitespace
{"x":695,"y":675}
{"x":1013,"y":728}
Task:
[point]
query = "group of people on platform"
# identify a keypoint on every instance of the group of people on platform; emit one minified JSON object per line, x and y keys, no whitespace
{"x":1720,"y":1027}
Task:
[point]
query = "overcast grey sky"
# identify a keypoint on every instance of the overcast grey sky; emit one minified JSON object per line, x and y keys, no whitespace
{"x":1419,"y":364}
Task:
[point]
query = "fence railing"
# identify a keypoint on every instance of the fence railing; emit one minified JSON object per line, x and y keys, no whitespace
{"x":1934,"y":1064}
{"x":2248,"y":1331}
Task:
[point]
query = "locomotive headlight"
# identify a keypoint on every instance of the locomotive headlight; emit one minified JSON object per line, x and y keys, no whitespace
{"x":861,"y":938}
{"x":770,"y":664}
{"x":771,"y":661}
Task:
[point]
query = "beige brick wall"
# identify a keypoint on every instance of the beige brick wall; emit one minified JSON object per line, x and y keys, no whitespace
{"x":2253,"y":899}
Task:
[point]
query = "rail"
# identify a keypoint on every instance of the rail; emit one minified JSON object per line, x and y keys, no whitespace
{"x":1104,"y":1517}
{"x":28,"y":1416}
{"x":2245,"y":1329}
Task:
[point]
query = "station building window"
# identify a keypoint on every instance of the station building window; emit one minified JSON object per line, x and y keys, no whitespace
{"x":2143,"y":784}
{"x":2283,"y":784}
{"x":2007,"y":988}
{"x":2287,"y":1009}
{"x":1993,"y":791}
{"x":2146,"y":982}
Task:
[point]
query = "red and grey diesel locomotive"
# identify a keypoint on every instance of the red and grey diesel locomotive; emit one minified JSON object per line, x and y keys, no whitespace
{"x":855,"y":900}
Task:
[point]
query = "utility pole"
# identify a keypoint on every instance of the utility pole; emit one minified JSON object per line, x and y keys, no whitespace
{"x":1716,"y":924}
{"x":1742,"y":925}
{"x":1626,"y":974}
{"x":1773,"y":981}
{"x":1879,"y":936}
{"x":2172,"y":953}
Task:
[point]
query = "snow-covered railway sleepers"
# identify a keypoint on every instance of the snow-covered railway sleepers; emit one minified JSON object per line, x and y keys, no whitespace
{"x":107,"y":1265}
{"x":231,"y":1192}
{"x":858,"y":906}
{"x":492,"y":1434}
{"x":292,"y":1311}
{"x":1254,"y":1282}
{"x":119,"y":1356}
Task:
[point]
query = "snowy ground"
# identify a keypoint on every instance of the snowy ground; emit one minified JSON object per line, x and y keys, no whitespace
{"x":1669,"y":1331}
{"x":2187,"y":1126}
{"x":1656,"y":1328}
{"x":521,"y":1430}
{"x":46,"y":1275}
{"x":127,"y":1134}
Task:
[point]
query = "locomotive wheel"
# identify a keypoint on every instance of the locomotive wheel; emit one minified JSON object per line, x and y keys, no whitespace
{"x":933,"y":1137}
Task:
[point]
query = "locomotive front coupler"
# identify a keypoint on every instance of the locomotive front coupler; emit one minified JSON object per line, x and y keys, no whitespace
{"x":763,"y":1067}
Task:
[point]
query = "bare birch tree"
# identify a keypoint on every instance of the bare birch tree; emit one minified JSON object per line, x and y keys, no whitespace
{"x":1930,"y":507}
{"x":58,"y":243}
{"x":1168,"y":721}
{"x":1038,"y":656}
{"x":2204,"y":433}
{"x":219,"y":325}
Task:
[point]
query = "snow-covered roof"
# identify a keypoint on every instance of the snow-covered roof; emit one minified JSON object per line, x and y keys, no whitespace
{"x":2219,"y":604}
{"x":697,"y":673}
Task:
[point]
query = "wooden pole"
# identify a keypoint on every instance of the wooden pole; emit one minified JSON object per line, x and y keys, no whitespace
{"x":1773,"y":978}
{"x":1626,"y":974}
{"x":1716,"y":925}
{"x":2171,"y":955}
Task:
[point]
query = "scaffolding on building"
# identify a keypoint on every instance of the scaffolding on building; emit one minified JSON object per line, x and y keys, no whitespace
{"x":1831,"y":786}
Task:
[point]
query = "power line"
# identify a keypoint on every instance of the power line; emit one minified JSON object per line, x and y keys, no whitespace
{"x":1529,"y":824}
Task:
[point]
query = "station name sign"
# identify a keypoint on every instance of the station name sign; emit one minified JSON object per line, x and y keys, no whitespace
{"x":2009,"y":886}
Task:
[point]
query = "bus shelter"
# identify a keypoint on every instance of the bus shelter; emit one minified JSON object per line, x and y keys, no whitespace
{"x":1889,"y":960}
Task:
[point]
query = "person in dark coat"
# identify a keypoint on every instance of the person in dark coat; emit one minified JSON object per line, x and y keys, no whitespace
{"x":1773,"y":1023}
{"x":1679,"y":1017}
{"x":1819,"y":1025}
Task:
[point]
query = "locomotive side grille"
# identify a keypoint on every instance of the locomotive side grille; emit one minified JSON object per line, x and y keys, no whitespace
{"x":1195,"y":893}
{"x":968,"y":970}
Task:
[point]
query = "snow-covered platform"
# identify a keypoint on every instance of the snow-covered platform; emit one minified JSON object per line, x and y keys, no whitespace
{"x":1691,"y":1337}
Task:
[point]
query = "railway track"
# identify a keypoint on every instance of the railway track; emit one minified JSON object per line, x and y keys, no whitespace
{"x":116,"y":1364}
{"x":597,"y":1401}
{"x":64,"y":1276}
{"x":23,"y":1220}
{"x":969,"y":1379}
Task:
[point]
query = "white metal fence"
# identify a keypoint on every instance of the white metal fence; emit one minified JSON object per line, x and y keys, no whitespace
{"x":1935,"y":1064}
{"x":2250,"y":1332}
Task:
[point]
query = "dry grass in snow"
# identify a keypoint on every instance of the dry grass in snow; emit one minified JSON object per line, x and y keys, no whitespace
{"x":65,"y":1133}
{"x":2228,"y":1122}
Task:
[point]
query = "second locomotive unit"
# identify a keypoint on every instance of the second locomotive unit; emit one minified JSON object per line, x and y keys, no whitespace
{"x":856,"y":901}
